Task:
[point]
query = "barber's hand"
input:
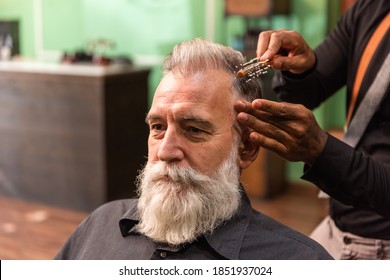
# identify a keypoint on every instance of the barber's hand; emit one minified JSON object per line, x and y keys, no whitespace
{"x":290,"y":130}
{"x":295,"y":54}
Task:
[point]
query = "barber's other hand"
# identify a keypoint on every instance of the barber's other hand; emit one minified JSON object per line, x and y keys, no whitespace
{"x":295,"y":55}
{"x":290,"y":130}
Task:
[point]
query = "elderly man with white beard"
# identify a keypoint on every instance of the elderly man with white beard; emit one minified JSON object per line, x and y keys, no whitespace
{"x":191,"y":203}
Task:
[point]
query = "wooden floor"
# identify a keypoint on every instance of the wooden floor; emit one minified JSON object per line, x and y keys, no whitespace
{"x":34,"y":231}
{"x":298,"y":207}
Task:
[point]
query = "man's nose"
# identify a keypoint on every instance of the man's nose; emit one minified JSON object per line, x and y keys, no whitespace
{"x":171,"y":146}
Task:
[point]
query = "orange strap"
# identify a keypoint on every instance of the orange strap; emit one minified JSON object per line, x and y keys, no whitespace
{"x":369,"y":51}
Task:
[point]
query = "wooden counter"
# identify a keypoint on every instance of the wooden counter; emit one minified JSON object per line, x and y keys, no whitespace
{"x":72,"y":136}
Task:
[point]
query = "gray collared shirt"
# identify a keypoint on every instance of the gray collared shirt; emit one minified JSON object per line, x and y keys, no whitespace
{"x":248,"y":235}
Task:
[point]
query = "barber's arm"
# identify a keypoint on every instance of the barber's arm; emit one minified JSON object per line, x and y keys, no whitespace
{"x":291,"y":131}
{"x":345,"y":174}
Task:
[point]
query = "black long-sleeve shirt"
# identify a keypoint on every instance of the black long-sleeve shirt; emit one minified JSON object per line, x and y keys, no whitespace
{"x":358,"y":180}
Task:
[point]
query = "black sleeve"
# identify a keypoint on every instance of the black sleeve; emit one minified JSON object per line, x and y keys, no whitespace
{"x":351,"y":177}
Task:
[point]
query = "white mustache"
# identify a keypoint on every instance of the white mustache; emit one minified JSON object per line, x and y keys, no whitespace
{"x":163,"y":172}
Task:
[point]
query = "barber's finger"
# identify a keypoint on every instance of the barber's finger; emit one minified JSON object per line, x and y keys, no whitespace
{"x":279,"y":42}
{"x":256,"y":119}
{"x":263,"y":42}
{"x":281,"y":110}
{"x":296,"y":64}
{"x":264,"y":128}
{"x":294,"y":119}
{"x":246,"y":106}
{"x":269,"y":143}
{"x":243,"y":106}
{"x":261,"y":106}
{"x":283,"y":63}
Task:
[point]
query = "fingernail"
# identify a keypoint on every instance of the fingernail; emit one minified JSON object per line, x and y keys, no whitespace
{"x":241,"y":104}
{"x":253,"y":136}
{"x":264,"y":56}
{"x":242,"y":117}
{"x":256,"y":104}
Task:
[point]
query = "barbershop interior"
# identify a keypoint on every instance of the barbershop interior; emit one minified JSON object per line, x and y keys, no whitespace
{"x":77,"y":79}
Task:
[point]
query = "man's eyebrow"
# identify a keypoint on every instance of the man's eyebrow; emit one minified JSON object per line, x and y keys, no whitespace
{"x":200,"y":121}
{"x":204,"y":123}
{"x":152,"y":117}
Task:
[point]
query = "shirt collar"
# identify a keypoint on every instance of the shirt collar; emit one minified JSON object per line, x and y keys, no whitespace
{"x":226,"y":240}
{"x":129,"y":220}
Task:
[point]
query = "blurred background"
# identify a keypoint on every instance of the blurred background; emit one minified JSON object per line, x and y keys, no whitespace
{"x":76,"y":80}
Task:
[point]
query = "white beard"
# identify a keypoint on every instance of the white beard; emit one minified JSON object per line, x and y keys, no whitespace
{"x":177,"y":205}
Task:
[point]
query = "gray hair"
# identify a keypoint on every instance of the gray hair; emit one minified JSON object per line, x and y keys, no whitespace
{"x":200,"y":55}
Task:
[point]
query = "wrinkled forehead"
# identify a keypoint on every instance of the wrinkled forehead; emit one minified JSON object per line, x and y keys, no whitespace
{"x":211,"y":86}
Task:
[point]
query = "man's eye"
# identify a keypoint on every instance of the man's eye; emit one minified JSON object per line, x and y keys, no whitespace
{"x":156,"y":127}
{"x":194,"y":130}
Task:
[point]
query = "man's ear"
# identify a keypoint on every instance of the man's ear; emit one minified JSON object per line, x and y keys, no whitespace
{"x":248,"y":150}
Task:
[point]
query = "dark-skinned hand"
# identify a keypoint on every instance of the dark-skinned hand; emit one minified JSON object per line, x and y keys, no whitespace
{"x":290,"y":130}
{"x":293,"y":53}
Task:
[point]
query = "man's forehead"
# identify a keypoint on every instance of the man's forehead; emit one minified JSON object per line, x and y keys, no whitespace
{"x":202,"y":87}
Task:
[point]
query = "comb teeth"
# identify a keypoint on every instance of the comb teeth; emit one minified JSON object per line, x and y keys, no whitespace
{"x":253,"y":69}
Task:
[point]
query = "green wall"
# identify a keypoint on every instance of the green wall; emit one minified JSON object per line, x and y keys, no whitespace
{"x":146,"y":30}
{"x":63,"y":24}
{"x":21,"y":10}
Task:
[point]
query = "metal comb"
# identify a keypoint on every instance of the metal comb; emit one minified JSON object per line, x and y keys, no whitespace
{"x":252,"y":69}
